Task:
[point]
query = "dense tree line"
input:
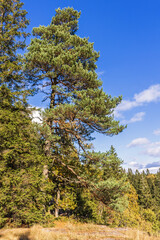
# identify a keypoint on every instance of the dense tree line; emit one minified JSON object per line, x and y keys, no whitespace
{"x":147,"y":186}
{"x":50,"y":168}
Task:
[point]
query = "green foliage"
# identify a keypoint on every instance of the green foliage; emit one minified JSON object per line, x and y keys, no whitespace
{"x":87,"y":207}
{"x":131,"y":216}
{"x":105,"y":172}
{"x":144,"y":194}
{"x":49,"y":167}
{"x":107,"y":191}
{"x":149,"y":215}
{"x":12,"y":38}
{"x":21,"y":156}
{"x":67,"y":63}
{"x":21,"y":195}
{"x":157,"y":190}
{"x":67,"y":200}
{"x":64,"y":64}
{"x":147,"y":188}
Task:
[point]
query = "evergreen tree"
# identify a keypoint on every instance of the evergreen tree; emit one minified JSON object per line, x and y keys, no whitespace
{"x":21,"y":193}
{"x":107,"y":175}
{"x":144,"y":194}
{"x":131,"y":216}
{"x":151,"y":182}
{"x":136,"y":180}
{"x":21,"y":183}
{"x":130,"y":175}
{"x":12,"y":39}
{"x":109,"y":186}
{"x":157,"y":190}
{"x":64,"y":64}
{"x":88,"y":208}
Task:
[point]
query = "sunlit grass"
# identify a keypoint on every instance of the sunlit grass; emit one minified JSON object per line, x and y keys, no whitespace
{"x":74,"y":231}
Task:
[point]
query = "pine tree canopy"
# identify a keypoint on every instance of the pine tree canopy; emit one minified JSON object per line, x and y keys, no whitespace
{"x":63,"y":66}
{"x":109,"y":182}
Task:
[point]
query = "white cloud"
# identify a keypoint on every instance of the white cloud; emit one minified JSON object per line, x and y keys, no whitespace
{"x":118,"y":114}
{"x":136,"y":118}
{"x":156,"y":132}
{"x":126,"y":105}
{"x":153,"y":166}
{"x":153,"y":149}
{"x":136,"y":165}
{"x":152,"y":94}
{"x":36,"y":115}
{"x":152,"y":169}
{"x":137,"y":142}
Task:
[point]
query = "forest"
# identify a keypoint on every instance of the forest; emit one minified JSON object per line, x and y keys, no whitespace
{"x":48,"y":168}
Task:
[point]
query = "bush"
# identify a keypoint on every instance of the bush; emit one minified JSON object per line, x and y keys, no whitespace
{"x":149,"y":215}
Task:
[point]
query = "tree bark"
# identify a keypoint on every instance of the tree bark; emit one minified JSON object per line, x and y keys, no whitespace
{"x":57,"y":201}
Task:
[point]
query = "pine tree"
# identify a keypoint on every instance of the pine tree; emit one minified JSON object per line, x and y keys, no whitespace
{"x":64,"y":64}
{"x":107,"y":175}
{"x":108,"y":186}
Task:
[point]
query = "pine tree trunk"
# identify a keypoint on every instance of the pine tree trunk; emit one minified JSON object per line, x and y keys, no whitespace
{"x":57,"y":201}
{"x":45,"y":167}
{"x":47,"y":147}
{"x":47,"y":153}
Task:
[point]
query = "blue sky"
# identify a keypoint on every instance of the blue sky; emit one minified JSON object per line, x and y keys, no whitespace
{"x":127,"y":34}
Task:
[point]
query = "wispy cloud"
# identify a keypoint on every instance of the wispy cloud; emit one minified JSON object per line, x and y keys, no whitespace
{"x":137,"y":142}
{"x":118,"y":114}
{"x":126,"y":105}
{"x":153,"y":166}
{"x":100,"y":73}
{"x":151,"y":94}
{"x":151,"y":149}
{"x":156,"y":132}
{"x":136,"y":118}
{"x":136,"y":165}
{"x":152,"y":169}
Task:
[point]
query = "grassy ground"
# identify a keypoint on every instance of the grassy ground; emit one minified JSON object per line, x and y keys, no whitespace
{"x":70,"y":231}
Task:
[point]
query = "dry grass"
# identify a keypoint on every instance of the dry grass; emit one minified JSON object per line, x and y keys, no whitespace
{"x":139,"y":235}
{"x":70,"y":231}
